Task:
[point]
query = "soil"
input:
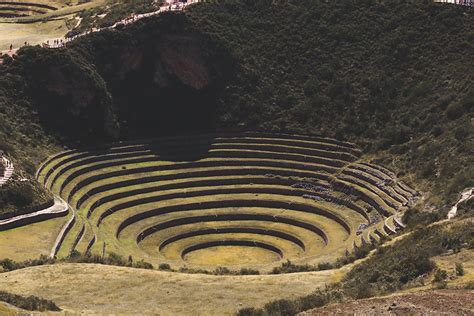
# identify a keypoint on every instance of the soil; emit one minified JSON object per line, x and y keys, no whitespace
{"x":433,"y":302}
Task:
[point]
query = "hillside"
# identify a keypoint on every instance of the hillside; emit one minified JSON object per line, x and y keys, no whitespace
{"x":392,"y":77}
{"x":369,"y":103}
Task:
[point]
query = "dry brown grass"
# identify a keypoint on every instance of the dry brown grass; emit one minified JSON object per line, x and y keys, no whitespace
{"x":448,"y":263}
{"x":34,"y":33}
{"x":7,"y":310}
{"x":30,"y":241}
{"x":38,"y":29}
{"x":104,"y":289}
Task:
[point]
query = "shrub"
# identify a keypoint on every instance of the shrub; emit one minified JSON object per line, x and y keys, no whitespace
{"x":289,"y":267}
{"x":437,"y":131}
{"x":280,"y":308}
{"x":143,"y":265}
{"x":446,"y":100}
{"x":325,"y":266}
{"x":164,"y":266}
{"x":466,"y":207}
{"x":440,"y":275}
{"x":459,"y":269}
{"x":248,"y":271}
{"x":10,"y":265}
{"x":310,"y":87}
{"x":250,"y":311}
{"x":461,"y":133}
{"x":31,"y":303}
{"x":454,"y":111}
{"x":414,"y":217}
{"x":115,"y":259}
{"x":18,"y":194}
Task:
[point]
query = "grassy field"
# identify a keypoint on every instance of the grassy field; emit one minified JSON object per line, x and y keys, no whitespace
{"x":107,"y":289}
{"x":448,"y":263}
{"x":37,"y":29}
{"x":7,"y":310}
{"x":31,"y":241}
{"x":34,"y":33}
{"x":227,"y":167}
{"x":232,"y":255}
{"x":127,"y":290}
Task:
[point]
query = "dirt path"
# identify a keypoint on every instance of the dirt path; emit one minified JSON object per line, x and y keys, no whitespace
{"x":466,"y":195}
{"x":61,"y":41}
{"x":59,"y":208}
{"x":433,"y":302}
{"x":9,"y":169}
{"x":102,"y":289}
{"x":62,"y":234}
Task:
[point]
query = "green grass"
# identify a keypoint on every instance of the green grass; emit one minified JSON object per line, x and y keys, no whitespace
{"x":142,"y":290}
{"x":61,"y":13}
{"x":36,"y":239}
{"x":139,"y":165}
{"x":127,"y":239}
{"x":68,"y":242}
{"x":339,"y":240}
{"x":377,"y":199}
{"x":70,"y":186}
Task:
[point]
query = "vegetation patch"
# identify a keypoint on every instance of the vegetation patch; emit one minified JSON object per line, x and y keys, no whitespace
{"x":404,"y":264}
{"x":30,"y":303}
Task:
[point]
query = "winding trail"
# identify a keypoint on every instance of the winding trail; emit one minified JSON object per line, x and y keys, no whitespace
{"x":465,"y":195}
{"x":59,"y":208}
{"x":8,"y":171}
{"x":62,"y":41}
{"x":66,"y":228}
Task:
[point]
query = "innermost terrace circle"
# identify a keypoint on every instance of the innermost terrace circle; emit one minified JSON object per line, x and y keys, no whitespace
{"x":228,"y":255}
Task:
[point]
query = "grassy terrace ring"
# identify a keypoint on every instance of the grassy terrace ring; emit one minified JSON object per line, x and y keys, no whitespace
{"x":237,"y":200}
{"x":18,"y":9}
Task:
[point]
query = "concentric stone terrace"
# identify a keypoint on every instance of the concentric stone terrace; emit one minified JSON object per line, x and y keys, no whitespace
{"x":16,"y":9}
{"x":237,"y":200}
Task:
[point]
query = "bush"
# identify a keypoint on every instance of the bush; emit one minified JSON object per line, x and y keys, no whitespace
{"x":454,"y":111}
{"x":459,"y":269}
{"x":440,"y":275}
{"x":248,"y":271}
{"x":164,"y":266}
{"x":250,"y":311}
{"x":76,"y":257}
{"x":461,"y":133}
{"x":30,"y":303}
{"x":10,"y":265}
{"x":143,"y":265}
{"x":310,"y":87}
{"x":389,"y":269}
{"x":437,"y":131}
{"x":465,"y":207}
{"x":289,"y":267}
{"x":414,"y":217}
{"x":280,"y":308}
{"x":18,"y":194}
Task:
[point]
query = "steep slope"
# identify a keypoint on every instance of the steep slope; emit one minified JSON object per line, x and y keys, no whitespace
{"x":394,"y":77}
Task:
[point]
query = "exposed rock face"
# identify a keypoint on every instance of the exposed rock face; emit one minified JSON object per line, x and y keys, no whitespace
{"x":182,"y":58}
{"x":70,"y":97}
{"x":164,"y":84}
{"x":146,"y":82}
